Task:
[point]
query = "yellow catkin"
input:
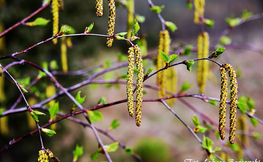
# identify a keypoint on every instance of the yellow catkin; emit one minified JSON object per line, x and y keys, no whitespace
{"x":202,"y":65}
{"x":64,"y":61}
{"x":130,"y":18}
{"x":50,"y":91}
{"x":55,"y":19}
{"x":159,"y":63}
{"x":99,"y":7}
{"x":166,"y":49}
{"x":199,"y":10}
{"x":129,"y":85}
{"x":42,"y":156}
{"x":139,"y":86}
{"x":2,"y":39}
{"x":111,"y":22}
{"x":4,"y":130}
{"x":30,"y":120}
{"x":243,"y":126}
{"x":171,"y":84}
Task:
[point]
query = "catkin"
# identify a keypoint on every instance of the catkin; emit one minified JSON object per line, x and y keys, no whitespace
{"x":111,"y":22}
{"x":50,"y":91}
{"x":243,"y":126}
{"x":129,"y":86}
{"x":55,"y":19}
{"x":160,"y":63}
{"x":42,"y":156}
{"x":233,"y":101}
{"x":130,"y":18}
{"x":63,"y":49}
{"x":171,"y":84}
{"x":199,"y":10}
{"x":222,"y":105}
{"x":139,"y":87}
{"x":202,"y":65}
{"x":99,"y":7}
{"x":31,"y":121}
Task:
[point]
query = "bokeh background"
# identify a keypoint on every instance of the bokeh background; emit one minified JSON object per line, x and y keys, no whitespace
{"x":160,"y":129}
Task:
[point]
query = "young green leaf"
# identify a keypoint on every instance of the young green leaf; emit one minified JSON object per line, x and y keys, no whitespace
{"x":172,"y":58}
{"x":189,"y":5}
{"x":95,"y":156}
{"x":217,"y":149}
{"x":53,"y":110}
{"x":24,"y":82}
{"x":66,"y":29}
{"x":213,"y":102}
{"x":22,"y":88}
{"x":250,"y":103}
{"x":139,"y":18}
{"x":114,"y":124}
{"x":149,"y":71}
{"x":157,"y":9}
{"x":89,"y":28}
{"x":38,"y":112}
{"x":246,"y":14}
{"x":136,"y":26}
{"x":241,"y":103}
{"x":48,"y":132}
{"x":209,"y":23}
{"x":102,"y":100}
{"x":225,"y":40}
{"x":41,"y":21}
{"x":171,"y":26}
{"x":235,"y":147}
{"x":208,"y":144}
{"x":187,"y":50}
{"x":1,"y":111}
{"x":185,"y":87}
{"x":53,"y":64}
{"x":111,"y":147}
{"x":128,"y":150}
{"x":200,"y":129}
{"x":195,"y":121}
{"x":77,"y":152}
{"x":164,"y":57}
{"x":107,"y":64}
{"x":256,"y":135}
{"x":79,"y":99}
{"x":254,"y":121}
{"x":34,"y":116}
{"x":95,"y":116}
{"x":120,"y":36}
{"x":218,"y":52}
{"x":189,"y":64}
{"x":232,"y":22}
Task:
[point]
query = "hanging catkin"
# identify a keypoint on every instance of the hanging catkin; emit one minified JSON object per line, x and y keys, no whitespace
{"x":171,"y":84}
{"x":202,"y":65}
{"x":199,"y":10}
{"x":129,"y":86}
{"x":139,"y":87}
{"x":99,"y":7}
{"x":111,"y":22}
{"x":233,"y":101}
{"x":130,"y":18}
{"x":63,"y":49}
{"x":243,"y":137}
{"x":55,"y":19}
{"x":160,"y":62}
{"x":222,"y":106}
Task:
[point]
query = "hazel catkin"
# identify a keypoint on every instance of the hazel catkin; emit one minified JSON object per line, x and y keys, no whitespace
{"x":55,"y":19}
{"x":222,"y":105}
{"x":111,"y":22}
{"x":139,"y":87}
{"x":129,"y":85}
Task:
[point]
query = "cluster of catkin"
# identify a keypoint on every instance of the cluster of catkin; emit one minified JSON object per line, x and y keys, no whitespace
{"x":202,"y":65}
{"x":44,"y":154}
{"x":227,"y":68}
{"x":199,"y":10}
{"x":135,"y":50}
{"x":111,"y":21}
{"x":166,"y":79}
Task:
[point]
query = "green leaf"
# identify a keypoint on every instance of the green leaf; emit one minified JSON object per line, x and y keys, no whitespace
{"x":120,"y":36}
{"x":128,"y":150}
{"x":53,"y":64}
{"x":53,"y":110}
{"x":246,"y":15}
{"x":157,"y":9}
{"x":187,"y":50}
{"x":34,"y":116}
{"x":209,"y":23}
{"x":164,"y":57}
{"x":107,"y":64}
{"x":256,"y":135}
{"x":22,"y":88}
{"x":89,"y":28}
{"x":95,"y":116}
{"x":77,"y":152}
{"x":38,"y":112}
{"x":102,"y":100}
{"x":24,"y":82}
{"x":114,"y":124}
{"x":232,"y":22}
{"x":241,"y":103}
{"x":195,"y":121}
{"x":185,"y":86}
{"x":225,"y":40}
{"x":250,"y":103}
{"x":48,"y":132}
{"x":213,"y":102}
{"x":95,"y":156}
{"x":253,"y":121}
{"x":44,"y":66}
{"x":189,"y":5}
{"x":41,"y":21}
{"x":139,"y":18}
{"x":149,"y":71}
{"x":136,"y":26}
{"x":122,"y":57}
{"x":171,"y":26}
{"x":218,"y":52}
{"x":79,"y":99}
{"x":1,"y":111}
{"x":235,"y":147}
{"x":208,"y":144}
{"x":189,"y":64}
{"x":218,"y":149}
{"x":66,"y":29}
{"x":112,"y":147}
{"x":172,"y":58}
{"x":201,"y":129}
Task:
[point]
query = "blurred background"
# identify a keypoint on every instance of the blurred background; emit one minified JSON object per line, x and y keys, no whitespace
{"x":160,"y":129}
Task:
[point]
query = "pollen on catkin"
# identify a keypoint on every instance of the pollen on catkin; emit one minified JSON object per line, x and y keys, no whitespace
{"x":99,"y":7}
{"x":111,"y":22}
{"x":139,"y":87}
{"x":233,"y":101}
{"x":55,"y":19}
{"x":222,"y":105}
{"x":202,"y":65}
{"x":129,"y":85}
{"x":160,"y":62}
{"x":42,"y":156}
{"x":199,"y":10}
{"x":64,"y":61}
{"x":171,"y":84}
